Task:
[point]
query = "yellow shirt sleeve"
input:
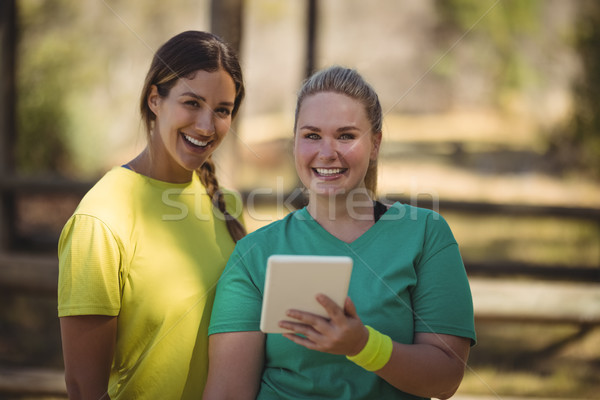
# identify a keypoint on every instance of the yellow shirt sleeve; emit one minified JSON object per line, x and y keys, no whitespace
{"x":89,"y":269}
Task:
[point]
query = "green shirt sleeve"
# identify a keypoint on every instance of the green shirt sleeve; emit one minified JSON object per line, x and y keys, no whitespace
{"x":238,"y":300}
{"x":442,"y":300}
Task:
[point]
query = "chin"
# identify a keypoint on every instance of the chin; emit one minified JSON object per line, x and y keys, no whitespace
{"x":193,"y":165}
{"x":328,"y":191}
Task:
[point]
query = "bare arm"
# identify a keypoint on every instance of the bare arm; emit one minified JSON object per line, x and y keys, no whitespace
{"x":88,"y":343}
{"x":431,"y":367}
{"x":235,"y":364}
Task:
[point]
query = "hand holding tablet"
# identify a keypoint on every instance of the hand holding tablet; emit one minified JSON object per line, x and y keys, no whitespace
{"x":293,"y":282}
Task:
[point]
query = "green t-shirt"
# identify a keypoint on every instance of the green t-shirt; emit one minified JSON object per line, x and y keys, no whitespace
{"x":408,"y":277}
{"x":149,"y":252}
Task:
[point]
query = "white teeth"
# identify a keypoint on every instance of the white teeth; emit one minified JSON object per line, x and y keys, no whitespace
{"x":328,"y":171}
{"x":195,"y":141}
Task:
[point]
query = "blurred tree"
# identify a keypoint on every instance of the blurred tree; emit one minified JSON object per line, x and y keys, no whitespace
{"x":495,"y":29}
{"x":80,"y":68}
{"x":42,"y":83}
{"x":579,"y":143}
{"x":511,"y":30}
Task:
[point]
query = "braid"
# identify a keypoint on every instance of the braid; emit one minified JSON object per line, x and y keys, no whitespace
{"x":209,"y":179}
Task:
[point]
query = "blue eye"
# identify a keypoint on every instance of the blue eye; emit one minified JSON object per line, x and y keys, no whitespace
{"x":346,"y":136}
{"x":312,"y":136}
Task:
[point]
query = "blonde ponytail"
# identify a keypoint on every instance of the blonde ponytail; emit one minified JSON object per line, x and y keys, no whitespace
{"x":209,"y":179}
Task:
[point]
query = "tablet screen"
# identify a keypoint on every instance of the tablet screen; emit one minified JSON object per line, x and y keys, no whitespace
{"x":293,"y":281}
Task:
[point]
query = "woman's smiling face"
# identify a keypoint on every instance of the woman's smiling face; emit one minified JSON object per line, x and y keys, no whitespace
{"x":190,"y":122}
{"x":333,"y":144}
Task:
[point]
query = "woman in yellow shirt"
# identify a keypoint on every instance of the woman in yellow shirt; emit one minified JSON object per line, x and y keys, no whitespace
{"x":141,"y":255}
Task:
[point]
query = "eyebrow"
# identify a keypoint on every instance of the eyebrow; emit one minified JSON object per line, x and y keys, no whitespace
{"x":197,"y":97}
{"x":341,"y":129}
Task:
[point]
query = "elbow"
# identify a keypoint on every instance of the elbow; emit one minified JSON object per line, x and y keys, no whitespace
{"x":73,"y":388}
{"x":78,"y":389}
{"x":452,"y":386}
{"x":446,"y":395}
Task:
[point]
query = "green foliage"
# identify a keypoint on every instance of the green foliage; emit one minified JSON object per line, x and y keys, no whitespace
{"x":505,"y":33}
{"x":42,"y":83}
{"x":496,"y":28}
{"x":584,"y":132}
{"x":79,"y":74}
{"x":576,"y":143}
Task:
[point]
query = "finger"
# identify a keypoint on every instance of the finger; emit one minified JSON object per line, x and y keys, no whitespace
{"x":316,"y":323}
{"x":333,"y":310}
{"x":350,"y":308}
{"x":308,"y":332}
{"x":302,"y":341}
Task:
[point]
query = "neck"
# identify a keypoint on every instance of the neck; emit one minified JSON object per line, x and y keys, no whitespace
{"x":147,"y":164}
{"x":346,"y":218}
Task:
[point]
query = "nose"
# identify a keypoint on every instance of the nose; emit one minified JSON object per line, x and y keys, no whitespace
{"x":327,"y":149}
{"x":205,"y":124}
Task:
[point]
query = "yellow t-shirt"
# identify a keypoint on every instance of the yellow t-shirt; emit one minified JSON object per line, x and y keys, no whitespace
{"x":151,"y":253}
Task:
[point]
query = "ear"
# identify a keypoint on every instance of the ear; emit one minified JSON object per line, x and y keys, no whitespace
{"x":376,"y":143}
{"x":153,"y":99}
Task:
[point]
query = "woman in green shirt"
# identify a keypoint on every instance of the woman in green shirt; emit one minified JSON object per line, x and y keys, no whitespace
{"x":405,"y":329}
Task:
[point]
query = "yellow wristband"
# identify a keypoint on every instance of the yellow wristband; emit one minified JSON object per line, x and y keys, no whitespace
{"x":376,"y":353}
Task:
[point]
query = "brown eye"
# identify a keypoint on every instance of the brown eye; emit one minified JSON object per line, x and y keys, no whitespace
{"x":223,"y":112}
{"x":192,"y":103}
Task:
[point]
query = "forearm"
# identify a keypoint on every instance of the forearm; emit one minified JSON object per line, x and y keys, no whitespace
{"x":423,"y":370}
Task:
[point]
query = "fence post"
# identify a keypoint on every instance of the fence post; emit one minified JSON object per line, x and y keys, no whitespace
{"x":227,"y":22}
{"x":8,"y":38}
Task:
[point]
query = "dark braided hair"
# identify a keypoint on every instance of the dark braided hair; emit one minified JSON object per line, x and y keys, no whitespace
{"x":181,"y":56}
{"x":209,"y":179}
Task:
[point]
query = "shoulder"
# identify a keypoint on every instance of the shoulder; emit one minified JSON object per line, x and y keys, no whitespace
{"x":415,"y":215}
{"x":271,"y":231}
{"x":110,"y":200}
{"x":417,"y":219}
{"x":114,"y":187}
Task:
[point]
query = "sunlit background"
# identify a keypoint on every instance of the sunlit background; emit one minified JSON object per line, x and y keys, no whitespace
{"x":491,"y":118}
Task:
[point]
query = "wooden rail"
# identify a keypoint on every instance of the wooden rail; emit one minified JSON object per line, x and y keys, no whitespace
{"x":494,"y":299}
{"x":29,"y":274}
{"x":29,"y":185}
{"x":509,"y":300}
{"x":32,"y":382}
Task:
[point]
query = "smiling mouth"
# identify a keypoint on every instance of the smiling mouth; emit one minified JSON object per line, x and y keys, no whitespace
{"x":329,"y":171}
{"x":193,"y":141}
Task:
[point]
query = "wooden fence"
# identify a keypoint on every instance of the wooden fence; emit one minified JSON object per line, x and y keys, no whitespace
{"x":564,"y":295}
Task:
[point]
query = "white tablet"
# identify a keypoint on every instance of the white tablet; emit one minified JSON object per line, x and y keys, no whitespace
{"x":293,"y":281}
